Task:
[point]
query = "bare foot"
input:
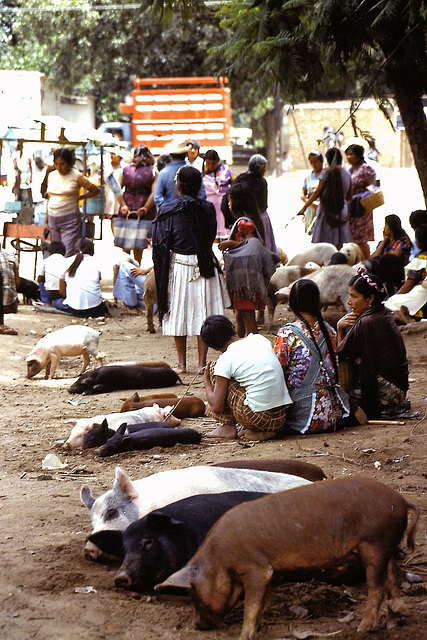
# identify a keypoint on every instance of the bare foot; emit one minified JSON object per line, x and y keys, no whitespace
{"x":246,"y":435}
{"x":223,"y":431}
{"x":180,"y":370}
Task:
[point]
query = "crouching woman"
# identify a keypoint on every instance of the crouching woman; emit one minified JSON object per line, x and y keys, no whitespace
{"x":245,"y":388}
{"x":306,"y":349}
{"x":369,"y":338}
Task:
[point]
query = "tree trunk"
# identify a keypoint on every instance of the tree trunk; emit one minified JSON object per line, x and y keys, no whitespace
{"x":414,"y":119}
{"x":268,"y":120}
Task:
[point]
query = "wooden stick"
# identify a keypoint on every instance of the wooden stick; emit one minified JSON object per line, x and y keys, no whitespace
{"x":400,"y":422}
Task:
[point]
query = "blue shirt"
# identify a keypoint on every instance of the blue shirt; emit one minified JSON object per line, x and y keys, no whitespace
{"x":166,"y":189}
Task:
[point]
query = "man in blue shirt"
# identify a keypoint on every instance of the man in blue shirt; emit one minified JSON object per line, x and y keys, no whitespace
{"x":166,"y":186}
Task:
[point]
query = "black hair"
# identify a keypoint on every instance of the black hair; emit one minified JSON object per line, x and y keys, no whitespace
{"x":417,"y":217}
{"x":216,"y":331}
{"x":332,"y":195}
{"x":421,"y":236}
{"x":211,"y":154}
{"x":82,"y":246}
{"x":358,"y":151}
{"x":64,"y":154}
{"x":189,"y":181}
{"x":304,"y":297}
{"x":244,"y":205}
{"x":39,"y":162}
{"x":315,"y":154}
{"x":56,"y":247}
{"x":333,"y":156}
{"x":395,"y":224}
{"x":338,"y":258}
{"x":163,"y":160}
{"x":142,"y":156}
{"x":362,"y":286}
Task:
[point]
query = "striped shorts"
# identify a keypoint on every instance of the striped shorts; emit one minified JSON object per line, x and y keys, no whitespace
{"x":236,"y":412}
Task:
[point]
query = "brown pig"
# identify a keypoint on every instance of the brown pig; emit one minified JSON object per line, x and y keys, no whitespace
{"x":312,"y":527}
{"x":186,"y":407}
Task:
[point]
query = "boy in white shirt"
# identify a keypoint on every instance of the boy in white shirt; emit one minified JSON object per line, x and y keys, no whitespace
{"x":245,"y":389}
{"x":52,"y":268}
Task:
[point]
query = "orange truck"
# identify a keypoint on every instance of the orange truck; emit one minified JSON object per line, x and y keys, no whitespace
{"x":196,"y":108}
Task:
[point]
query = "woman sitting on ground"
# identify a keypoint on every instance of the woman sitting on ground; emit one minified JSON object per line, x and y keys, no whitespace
{"x":306,"y":349}
{"x":369,"y":338}
{"x":409,"y":304}
{"x":80,"y":285}
{"x":395,"y":240}
{"x":245,"y":388}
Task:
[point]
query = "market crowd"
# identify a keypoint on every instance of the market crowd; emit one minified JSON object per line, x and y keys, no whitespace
{"x":208,"y":238}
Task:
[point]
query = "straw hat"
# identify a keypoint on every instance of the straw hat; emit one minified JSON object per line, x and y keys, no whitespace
{"x":177,"y":146}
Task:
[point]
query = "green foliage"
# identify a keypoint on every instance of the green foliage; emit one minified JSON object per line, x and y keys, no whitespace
{"x":84,"y":50}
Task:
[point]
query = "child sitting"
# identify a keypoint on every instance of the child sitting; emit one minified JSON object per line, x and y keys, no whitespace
{"x":52,"y":268}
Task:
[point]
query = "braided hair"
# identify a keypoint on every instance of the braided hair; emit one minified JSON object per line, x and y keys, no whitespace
{"x":304,"y":297}
{"x":82,"y":246}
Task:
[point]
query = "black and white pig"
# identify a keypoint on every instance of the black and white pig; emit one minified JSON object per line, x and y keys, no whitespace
{"x":128,"y":501}
{"x":162,"y":542}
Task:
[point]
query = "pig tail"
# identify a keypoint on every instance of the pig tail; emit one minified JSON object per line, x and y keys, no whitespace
{"x":83,"y":246}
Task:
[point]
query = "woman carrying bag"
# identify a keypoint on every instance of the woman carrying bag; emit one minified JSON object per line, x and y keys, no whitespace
{"x":132,"y":226}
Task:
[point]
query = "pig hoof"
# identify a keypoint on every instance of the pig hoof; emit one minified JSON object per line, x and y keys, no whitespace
{"x":92,"y":552}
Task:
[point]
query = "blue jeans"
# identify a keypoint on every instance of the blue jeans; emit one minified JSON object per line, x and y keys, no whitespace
{"x":128,"y":288}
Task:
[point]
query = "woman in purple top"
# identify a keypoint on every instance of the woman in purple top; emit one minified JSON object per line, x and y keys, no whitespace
{"x":217,"y":178}
{"x":362,"y":175}
{"x":137,"y":199}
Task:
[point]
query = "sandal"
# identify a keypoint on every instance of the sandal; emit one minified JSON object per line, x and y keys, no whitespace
{"x":7,"y":331}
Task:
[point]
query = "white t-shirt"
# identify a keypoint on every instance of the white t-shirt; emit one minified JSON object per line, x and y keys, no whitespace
{"x":63,"y":192}
{"x":52,"y":269}
{"x":252,"y":363}
{"x":83,"y":290}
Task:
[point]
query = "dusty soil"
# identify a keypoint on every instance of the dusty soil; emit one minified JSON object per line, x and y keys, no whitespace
{"x":44,"y":526}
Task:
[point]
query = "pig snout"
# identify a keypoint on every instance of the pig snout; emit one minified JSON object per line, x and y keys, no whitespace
{"x":33,"y":367}
{"x":123,"y":580}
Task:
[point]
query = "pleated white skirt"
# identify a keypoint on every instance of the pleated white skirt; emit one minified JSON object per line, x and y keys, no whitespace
{"x":192,"y":298}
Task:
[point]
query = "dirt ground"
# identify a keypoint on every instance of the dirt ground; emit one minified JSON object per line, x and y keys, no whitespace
{"x":44,"y":525}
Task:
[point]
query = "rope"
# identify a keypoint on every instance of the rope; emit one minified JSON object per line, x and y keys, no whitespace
{"x":183,"y":396}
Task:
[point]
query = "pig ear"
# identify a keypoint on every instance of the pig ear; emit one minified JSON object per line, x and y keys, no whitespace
{"x":155,"y":405}
{"x":86,"y":496}
{"x":162,"y":522}
{"x":104,"y":426}
{"x":108,"y":541}
{"x":181,"y":579}
{"x":127,"y":443}
{"x":135,"y":397}
{"x":122,"y":429}
{"x":125,"y":484}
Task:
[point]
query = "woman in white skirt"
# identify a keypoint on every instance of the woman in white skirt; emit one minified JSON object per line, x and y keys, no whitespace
{"x":189,"y":281}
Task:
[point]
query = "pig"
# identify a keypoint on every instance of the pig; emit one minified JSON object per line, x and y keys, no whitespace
{"x":352,"y":253}
{"x":150,"y":299}
{"x":332,"y":281}
{"x":81,"y":426}
{"x":128,"y":501}
{"x":153,"y":435}
{"x":112,"y":378}
{"x":295,"y":467}
{"x":314,"y":527}
{"x":73,"y":340}
{"x":101,"y":433}
{"x":319,"y":253}
{"x":282,"y":277}
{"x":160,"y":543}
{"x":185,"y":407}
{"x":29,"y":289}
